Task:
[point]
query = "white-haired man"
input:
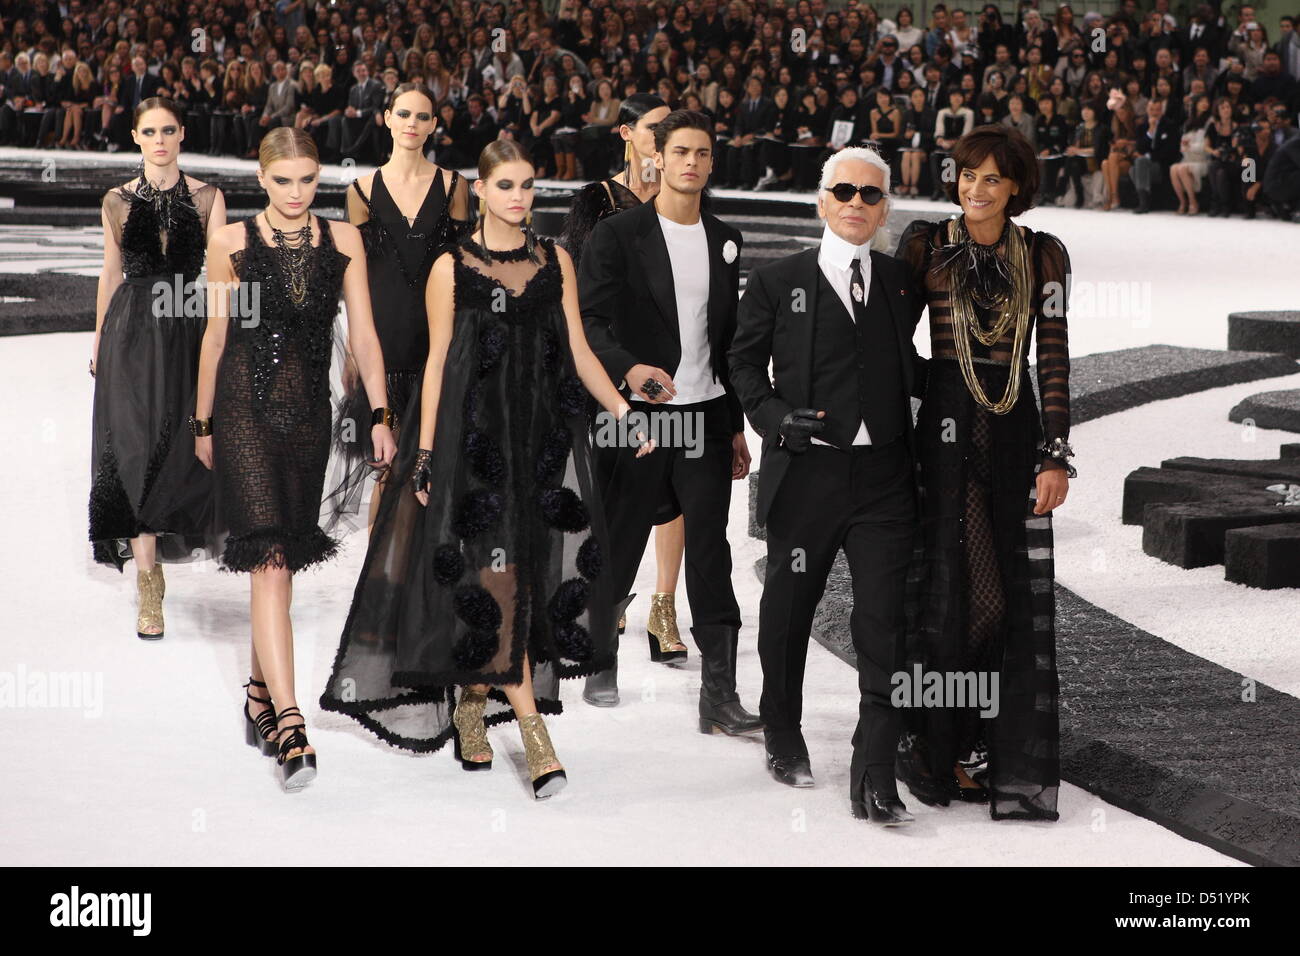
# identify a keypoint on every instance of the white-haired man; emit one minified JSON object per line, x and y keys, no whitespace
{"x":836,"y":323}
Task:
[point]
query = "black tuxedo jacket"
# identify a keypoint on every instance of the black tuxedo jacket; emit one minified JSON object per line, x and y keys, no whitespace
{"x":629,"y":304}
{"x":775,"y":325}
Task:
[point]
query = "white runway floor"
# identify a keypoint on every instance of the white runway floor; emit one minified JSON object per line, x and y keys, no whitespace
{"x":158,"y":772}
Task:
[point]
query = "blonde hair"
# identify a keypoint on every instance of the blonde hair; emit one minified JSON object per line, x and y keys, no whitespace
{"x":286,"y":142}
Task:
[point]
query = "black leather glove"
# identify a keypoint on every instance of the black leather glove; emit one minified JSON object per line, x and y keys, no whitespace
{"x":423,"y":473}
{"x":798,"y":427}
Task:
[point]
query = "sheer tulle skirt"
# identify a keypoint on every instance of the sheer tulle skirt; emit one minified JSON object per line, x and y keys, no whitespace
{"x":145,"y":477}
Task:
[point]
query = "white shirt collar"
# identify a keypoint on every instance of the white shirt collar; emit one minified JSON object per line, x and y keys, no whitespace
{"x":840,"y":253}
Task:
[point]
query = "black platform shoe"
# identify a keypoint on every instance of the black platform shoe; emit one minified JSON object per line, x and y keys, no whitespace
{"x":791,"y":771}
{"x":720,"y":708}
{"x":299,"y":770}
{"x":259,"y":733}
{"x":910,"y":767}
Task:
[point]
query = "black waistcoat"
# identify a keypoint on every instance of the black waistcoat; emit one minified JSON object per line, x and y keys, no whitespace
{"x":856,"y":375}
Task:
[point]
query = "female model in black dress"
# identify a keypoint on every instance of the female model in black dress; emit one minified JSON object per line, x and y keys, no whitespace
{"x":263,"y":412}
{"x":400,"y":249}
{"x":149,"y":498}
{"x":484,"y":569}
{"x":637,"y":183}
{"x":993,"y":467}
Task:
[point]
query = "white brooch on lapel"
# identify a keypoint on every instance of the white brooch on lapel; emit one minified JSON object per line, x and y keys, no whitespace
{"x":729,"y":251}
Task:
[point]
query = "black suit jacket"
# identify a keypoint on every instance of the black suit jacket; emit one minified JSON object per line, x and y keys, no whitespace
{"x":149,"y":86}
{"x":368,"y":98}
{"x":629,"y":304}
{"x":776,"y":321}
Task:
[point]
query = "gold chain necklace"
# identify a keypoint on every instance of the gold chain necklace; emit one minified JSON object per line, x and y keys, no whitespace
{"x":294,"y":249}
{"x":1012,"y":309}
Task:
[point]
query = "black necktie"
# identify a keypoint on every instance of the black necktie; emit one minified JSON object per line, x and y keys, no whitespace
{"x":857,"y":289}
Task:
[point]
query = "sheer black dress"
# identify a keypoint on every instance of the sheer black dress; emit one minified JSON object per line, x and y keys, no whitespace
{"x":981,"y":593}
{"x":145,"y":477}
{"x":399,"y":255}
{"x":507,"y":557}
{"x":271,"y":409}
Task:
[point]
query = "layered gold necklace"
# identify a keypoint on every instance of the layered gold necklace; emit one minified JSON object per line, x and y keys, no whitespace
{"x":1010,"y":305}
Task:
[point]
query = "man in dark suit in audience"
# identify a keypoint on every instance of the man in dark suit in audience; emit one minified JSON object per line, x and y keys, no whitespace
{"x":353,"y":132}
{"x":755,"y":117}
{"x":137,"y":87}
{"x":1158,"y":147}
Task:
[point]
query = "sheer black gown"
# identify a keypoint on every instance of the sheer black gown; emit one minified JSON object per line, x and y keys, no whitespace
{"x":981,"y":593}
{"x":145,"y":478}
{"x":399,"y":255}
{"x":507,"y":557}
{"x":271,"y":410}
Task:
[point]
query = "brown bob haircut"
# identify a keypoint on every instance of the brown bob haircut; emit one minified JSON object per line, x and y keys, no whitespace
{"x":1011,"y":153}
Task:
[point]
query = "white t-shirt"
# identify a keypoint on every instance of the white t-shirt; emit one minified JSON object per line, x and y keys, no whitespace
{"x":688,"y":250}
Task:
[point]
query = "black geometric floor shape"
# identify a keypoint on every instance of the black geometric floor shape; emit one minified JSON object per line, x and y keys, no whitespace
{"x":1280,"y":409}
{"x":1244,"y":514}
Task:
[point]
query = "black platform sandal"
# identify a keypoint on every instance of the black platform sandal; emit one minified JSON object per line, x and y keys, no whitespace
{"x":259,"y":732}
{"x":299,"y":770}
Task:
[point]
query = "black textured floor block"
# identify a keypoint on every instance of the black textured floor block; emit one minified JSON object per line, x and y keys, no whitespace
{"x":1252,"y":469}
{"x":1175,"y":738}
{"x":1191,"y":535}
{"x":1265,"y":332}
{"x":1279,"y":409}
{"x":1109,"y":382}
{"x":1148,"y":486}
{"x":1263,"y":556}
{"x":60,"y":303}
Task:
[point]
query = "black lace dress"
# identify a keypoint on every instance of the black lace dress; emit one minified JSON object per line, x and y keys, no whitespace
{"x":981,"y":592}
{"x":271,"y":410}
{"x":507,"y":557}
{"x":145,"y":477}
{"x":399,"y":255}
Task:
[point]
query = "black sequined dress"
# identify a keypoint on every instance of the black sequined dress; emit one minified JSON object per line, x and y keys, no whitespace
{"x":145,"y":477}
{"x":508,"y":556}
{"x":271,"y":410}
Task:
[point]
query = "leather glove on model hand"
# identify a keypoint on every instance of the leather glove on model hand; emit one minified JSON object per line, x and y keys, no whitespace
{"x":422,"y":474}
{"x":798,"y":427}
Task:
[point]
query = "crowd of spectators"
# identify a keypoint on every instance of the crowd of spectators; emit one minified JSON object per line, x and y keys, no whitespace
{"x":1193,"y":107}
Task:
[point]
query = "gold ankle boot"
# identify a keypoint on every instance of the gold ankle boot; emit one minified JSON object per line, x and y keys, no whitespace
{"x":662,"y":628}
{"x":471,"y":734}
{"x":150,"y":588}
{"x":540,"y":754}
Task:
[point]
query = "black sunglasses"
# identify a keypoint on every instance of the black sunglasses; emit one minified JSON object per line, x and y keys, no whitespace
{"x":844,"y":192}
